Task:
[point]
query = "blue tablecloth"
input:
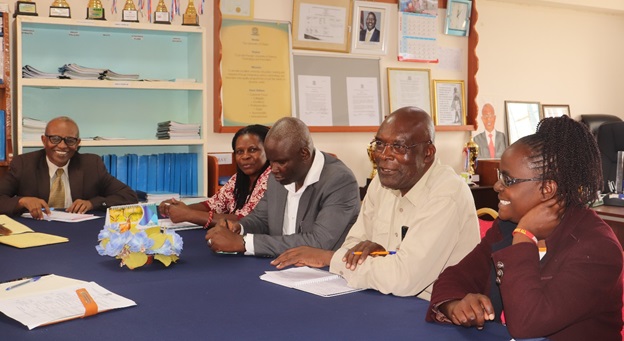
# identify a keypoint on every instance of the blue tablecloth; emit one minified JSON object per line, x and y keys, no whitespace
{"x":210,"y":296}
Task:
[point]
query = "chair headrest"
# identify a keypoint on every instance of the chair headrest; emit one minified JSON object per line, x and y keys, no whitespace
{"x":594,"y":121}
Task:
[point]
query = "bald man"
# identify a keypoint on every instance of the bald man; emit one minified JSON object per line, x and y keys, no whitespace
{"x":492,"y":143}
{"x":86,"y":185}
{"x":416,"y":209}
{"x":312,"y":199}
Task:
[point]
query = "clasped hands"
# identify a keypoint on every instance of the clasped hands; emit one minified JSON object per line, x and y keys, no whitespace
{"x":38,"y":207}
{"x":318,"y":258}
{"x":225,"y":237}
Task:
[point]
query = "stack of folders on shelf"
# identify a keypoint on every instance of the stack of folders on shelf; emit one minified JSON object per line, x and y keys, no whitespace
{"x":75,"y":71}
{"x":165,"y":172}
{"x":170,"y":130}
{"x":30,"y":72}
{"x":32,"y":129}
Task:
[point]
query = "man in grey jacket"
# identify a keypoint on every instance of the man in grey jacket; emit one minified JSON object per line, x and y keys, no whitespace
{"x":312,"y":199}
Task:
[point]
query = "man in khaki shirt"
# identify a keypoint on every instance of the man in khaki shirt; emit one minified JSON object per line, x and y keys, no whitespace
{"x":418,"y":216}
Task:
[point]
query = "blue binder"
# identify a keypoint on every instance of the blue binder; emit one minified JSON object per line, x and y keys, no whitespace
{"x":133,"y":164}
{"x":151,"y":173}
{"x":122,"y":168}
{"x":160,"y":173}
{"x":113,"y":165}
{"x":142,"y":173}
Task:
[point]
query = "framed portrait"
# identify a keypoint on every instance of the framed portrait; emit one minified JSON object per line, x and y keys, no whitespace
{"x":522,"y":119}
{"x":449,"y":103}
{"x":409,"y":87}
{"x":555,"y":110}
{"x":457,"y":22}
{"x":321,"y":25}
{"x":370,"y":27}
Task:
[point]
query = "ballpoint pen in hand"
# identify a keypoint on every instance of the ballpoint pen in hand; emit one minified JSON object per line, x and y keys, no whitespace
{"x":32,"y":280}
{"x":376,"y":253}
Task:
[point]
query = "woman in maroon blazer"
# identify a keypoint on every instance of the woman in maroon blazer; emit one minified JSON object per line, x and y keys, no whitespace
{"x":549,"y":267}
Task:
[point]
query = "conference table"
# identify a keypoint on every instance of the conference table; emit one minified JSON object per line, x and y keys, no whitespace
{"x":211,"y":296}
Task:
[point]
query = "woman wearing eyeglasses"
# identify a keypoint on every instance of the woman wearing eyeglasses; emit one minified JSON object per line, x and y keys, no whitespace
{"x":57,"y":176}
{"x":549,"y":267}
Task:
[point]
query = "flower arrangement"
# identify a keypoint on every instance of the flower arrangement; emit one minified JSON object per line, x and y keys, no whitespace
{"x":137,"y":246}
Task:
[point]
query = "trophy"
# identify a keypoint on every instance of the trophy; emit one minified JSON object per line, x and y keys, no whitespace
{"x":60,"y":9}
{"x":190,"y":16}
{"x":471,"y":149}
{"x":23,"y":7}
{"x":129,"y":12}
{"x":161,"y":16}
{"x":95,"y":10}
{"x":371,"y":156}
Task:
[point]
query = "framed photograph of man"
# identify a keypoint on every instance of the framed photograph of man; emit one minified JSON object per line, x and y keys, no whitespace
{"x":522,"y":119}
{"x":555,"y":110}
{"x":321,"y":25}
{"x":449,"y":103}
{"x":370,"y":27}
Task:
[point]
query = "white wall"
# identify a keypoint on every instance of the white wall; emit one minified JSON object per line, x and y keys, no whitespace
{"x":551,"y":55}
{"x":548,"y":51}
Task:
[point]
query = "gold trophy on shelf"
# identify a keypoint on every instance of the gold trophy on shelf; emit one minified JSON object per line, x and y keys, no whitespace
{"x":60,"y":9}
{"x":129,"y":13}
{"x":370,"y":150}
{"x":24,"y":7}
{"x":161,"y":15}
{"x":472,"y":151}
{"x":190,"y":17}
{"x":95,"y":10}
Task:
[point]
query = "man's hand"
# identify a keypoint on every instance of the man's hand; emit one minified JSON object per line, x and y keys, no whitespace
{"x":220,"y":238}
{"x":233,"y":226}
{"x":471,"y":311}
{"x":80,"y":206}
{"x":366,"y":247}
{"x":303,"y":256}
{"x":542,"y":219}
{"x":35,"y":206}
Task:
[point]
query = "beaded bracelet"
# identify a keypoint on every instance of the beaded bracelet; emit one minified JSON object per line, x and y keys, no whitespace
{"x":210,"y":216}
{"x":526,"y":233}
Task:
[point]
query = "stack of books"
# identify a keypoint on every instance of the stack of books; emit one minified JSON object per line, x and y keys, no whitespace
{"x":30,"y":72}
{"x":170,"y":130}
{"x":32,"y":129}
{"x":75,"y":71}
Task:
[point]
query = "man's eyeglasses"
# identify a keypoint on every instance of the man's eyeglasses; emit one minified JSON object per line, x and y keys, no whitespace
{"x":69,"y":141}
{"x":395,"y":148}
{"x":507,"y":180}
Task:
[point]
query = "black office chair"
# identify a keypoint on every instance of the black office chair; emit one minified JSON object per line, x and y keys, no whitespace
{"x":594,"y":121}
{"x":610,"y":141}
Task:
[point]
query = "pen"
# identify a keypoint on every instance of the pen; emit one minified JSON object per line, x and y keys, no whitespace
{"x":375,"y":253}
{"x":32,"y":280}
{"x":51,"y":208}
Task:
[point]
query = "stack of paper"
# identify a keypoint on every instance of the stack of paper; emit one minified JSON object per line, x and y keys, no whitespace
{"x":30,"y":72}
{"x":46,"y":299}
{"x":32,"y":129}
{"x":314,"y":281}
{"x":21,"y":236}
{"x":179,"y":131}
{"x":75,"y":71}
{"x":158,"y":197}
{"x":65,"y":217}
{"x":114,"y":76}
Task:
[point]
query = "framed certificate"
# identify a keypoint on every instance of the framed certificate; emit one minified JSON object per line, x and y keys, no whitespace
{"x":409,"y":87}
{"x":321,"y":24}
{"x":450,"y":102}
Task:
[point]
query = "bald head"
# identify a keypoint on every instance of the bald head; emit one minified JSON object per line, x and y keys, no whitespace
{"x":64,"y":120}
{"x":414,"y":119}
{"x":292,"y":132}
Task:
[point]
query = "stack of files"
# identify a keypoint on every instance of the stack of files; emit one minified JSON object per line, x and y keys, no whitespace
{"x":114,"y":76}
{"x":32,"y":129}
{"x":158,"y":197}
{"x":314,"y":281}
{"x":75,"y":71}
{"x":170,"y":130}
{"x":30,"y":72}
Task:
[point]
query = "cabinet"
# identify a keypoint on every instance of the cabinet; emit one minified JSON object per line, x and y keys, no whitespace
{"x":5,"y":90}
{"x":170,"y":61}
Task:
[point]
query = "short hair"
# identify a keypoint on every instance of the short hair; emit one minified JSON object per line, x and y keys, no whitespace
{"x":66,"y":120}
{"x":565,"y":151}
{"x":292,"y":130}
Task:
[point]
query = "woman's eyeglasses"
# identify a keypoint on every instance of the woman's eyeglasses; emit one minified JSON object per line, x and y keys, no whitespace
{"x":507,"y":180}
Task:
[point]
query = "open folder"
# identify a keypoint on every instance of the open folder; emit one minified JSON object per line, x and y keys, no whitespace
{"x":21,"y":236}
{"x":315,"y":281}
{"x":48,"y":299}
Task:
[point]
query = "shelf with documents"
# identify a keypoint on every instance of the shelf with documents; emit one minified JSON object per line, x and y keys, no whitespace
{"x":126,"y":112}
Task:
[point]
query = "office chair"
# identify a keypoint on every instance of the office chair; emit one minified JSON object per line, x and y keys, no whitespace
{"x":594,"y":121}
{"x":610,"y":141}
{"x":484,"y":224}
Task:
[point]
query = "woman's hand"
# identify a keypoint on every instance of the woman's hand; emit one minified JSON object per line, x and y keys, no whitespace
{"x":542,"y":219}
{"x":471,"y":311}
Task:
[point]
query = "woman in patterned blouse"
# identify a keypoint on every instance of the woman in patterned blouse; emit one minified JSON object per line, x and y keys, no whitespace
{"x":240,"y":194}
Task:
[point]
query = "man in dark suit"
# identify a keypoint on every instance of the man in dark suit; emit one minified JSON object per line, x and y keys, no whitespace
{"x":370,"y":34}
{"x":60,"y":177}
{"x":312,"y":199}
{"x":492,"y":143}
